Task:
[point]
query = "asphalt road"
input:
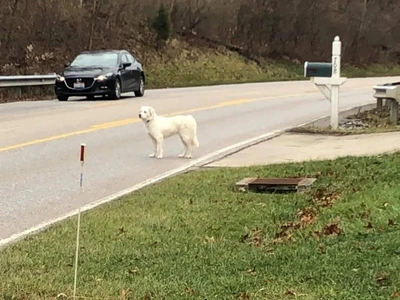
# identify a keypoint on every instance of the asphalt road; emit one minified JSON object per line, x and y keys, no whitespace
{"x":39,"y":141}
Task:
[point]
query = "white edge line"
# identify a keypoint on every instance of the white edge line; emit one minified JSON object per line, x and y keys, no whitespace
{"x":206,"y":159}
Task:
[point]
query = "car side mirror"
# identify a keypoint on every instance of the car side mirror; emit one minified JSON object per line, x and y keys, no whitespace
{"x":125,"y":65}
{"x":66,"y":64}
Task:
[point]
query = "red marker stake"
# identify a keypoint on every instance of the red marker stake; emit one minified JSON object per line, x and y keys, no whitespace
{"x":82,"y":156}
{"x":82,"y":160}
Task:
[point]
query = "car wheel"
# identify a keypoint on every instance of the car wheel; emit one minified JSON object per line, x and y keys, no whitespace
{"x":116,"y":94}
{"x":62,"y":98}
{"x":90,"y":97}
{"x":140,"y":91}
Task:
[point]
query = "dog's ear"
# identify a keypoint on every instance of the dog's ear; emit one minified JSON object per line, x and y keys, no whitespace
{"x":151,"y":111}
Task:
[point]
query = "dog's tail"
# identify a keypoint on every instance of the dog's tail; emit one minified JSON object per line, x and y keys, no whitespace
{"x":196,"y":142}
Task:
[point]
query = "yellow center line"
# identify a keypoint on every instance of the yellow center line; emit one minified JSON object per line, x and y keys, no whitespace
{"x":124,"y":122}
{"x":115,"y":123}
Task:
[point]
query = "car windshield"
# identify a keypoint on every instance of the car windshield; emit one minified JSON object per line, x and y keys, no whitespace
{"x":86,"y":60}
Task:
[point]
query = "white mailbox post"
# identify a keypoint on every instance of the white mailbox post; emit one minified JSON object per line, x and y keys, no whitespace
{"x":326,"y":77}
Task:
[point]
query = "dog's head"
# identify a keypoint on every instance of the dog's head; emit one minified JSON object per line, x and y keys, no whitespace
{"x":147,"y":113}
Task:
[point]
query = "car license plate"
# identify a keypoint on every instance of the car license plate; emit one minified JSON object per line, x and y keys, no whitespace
{"x":79,"y":85}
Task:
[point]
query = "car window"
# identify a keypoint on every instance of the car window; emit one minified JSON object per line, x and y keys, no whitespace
{"x":103,"y":59}
{"x":124,"y":59}
{"x":130,"y":58}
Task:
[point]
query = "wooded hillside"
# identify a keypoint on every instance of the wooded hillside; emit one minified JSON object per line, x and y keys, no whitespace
{"x":39,"y":36}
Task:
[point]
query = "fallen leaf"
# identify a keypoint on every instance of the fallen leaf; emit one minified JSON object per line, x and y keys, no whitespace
{"x":124,"y":294}
{"x":369,"y":225}
{"x":254,"y":237}
{"x":243,"y":295}
{"x":286,"y":232}
{"x":189,"y":291}
{"x":121,"y":230}
{"x":134,"y":270}
{"x":251,"y":272}
{"x":332,"y":229}
{"x":290,"y":293}
{"x":396,"y":294}
{"x":280,"y":240}
{"x":208,"y":240}
{"x":382,"y":279}
{"x":307,"y":215}
{"x":290,"y":225}
{"x":322,"y":248}
{"x":324,"y":198}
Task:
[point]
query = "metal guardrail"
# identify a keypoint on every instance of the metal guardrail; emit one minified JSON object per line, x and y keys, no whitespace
{"x":27,"y":80}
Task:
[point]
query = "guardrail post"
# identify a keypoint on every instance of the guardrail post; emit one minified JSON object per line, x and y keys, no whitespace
{"x":379,"y":105}
{"x":387,"y":103}
{"x":394,"y":112}
{"x":19,"y":92}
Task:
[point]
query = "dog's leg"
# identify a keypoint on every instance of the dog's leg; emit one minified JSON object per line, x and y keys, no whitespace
{"x":188,"y":148}
{"x":159,"y":147}
{"x":185,"y":147}
{"x":154,"y":145}
{"x":188,"y":152}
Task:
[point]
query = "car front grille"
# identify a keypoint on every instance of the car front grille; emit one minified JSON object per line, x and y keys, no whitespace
{"x":88,"y":82}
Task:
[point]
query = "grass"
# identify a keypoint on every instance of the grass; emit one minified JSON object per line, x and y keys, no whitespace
{"x":374,"y":122}
{"x":183,"y":65}
{"x":194,"y":237}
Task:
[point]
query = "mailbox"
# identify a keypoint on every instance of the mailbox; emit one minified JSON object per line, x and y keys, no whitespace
{"x":317,"y":69}
{"x":388,"y":91}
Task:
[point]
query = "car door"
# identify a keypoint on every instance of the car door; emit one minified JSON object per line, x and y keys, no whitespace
{"x":126,"y":74}
{"x":136,"y":71}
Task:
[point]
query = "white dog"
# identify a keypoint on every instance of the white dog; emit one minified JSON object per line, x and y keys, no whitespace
{"x":160,"y":128}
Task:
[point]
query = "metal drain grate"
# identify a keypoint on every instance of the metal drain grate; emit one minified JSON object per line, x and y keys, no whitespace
{"x":260,"y":185}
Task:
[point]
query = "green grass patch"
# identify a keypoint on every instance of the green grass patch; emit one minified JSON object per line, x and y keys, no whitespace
{"x":373,"y":70}
{"x":185,"y":66}
{"x":194,"y":237}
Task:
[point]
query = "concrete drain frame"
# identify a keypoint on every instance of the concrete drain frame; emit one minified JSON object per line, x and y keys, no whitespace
{"x":274,"y":185}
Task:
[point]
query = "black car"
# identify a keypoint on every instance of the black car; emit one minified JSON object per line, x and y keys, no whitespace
{"x":105,"y":72}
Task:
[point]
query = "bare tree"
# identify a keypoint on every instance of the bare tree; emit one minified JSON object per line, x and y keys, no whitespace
{"x":40,"y":36}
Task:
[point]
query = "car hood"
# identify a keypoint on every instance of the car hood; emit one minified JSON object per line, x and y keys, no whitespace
{"x":86,"y":72}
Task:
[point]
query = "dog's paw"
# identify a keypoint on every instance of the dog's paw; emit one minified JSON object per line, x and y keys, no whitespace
{"x":188,"y":156}
{"x":181,"y":155}
{"x":159,"y":156}
{"x":152,"y":155}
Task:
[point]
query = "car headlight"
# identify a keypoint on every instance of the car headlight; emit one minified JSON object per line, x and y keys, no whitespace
{"x":104,"y":77}
{"x":60,"y":78}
